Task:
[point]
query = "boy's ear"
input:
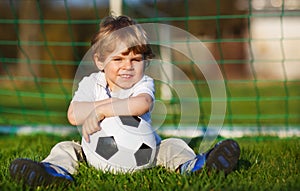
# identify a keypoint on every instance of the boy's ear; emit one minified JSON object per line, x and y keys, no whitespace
{"x":97,"y":61}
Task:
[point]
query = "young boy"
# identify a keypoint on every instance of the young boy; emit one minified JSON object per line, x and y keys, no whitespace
{"x":121,"y":53}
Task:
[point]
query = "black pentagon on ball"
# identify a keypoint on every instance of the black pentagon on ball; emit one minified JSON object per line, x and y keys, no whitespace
{"x":106,"y":147}
{"x":133,"y":121}
{"x":143,"y":155}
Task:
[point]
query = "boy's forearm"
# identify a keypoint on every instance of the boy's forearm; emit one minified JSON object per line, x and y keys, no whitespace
{"x":78,"y":111}
{"x":135,"y":106}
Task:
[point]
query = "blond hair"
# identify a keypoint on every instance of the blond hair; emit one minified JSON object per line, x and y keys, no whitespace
{"x":114,"y":30}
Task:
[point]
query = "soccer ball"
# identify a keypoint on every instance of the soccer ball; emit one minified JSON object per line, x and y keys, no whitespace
{"x":124,"y":144}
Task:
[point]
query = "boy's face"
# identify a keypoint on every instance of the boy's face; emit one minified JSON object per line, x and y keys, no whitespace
{"x":123,"y":70}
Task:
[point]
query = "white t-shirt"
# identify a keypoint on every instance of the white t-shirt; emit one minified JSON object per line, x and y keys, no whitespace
{"x":94,"y":88}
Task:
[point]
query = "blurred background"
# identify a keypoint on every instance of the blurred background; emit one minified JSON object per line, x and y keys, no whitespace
{"x":254,"y":42}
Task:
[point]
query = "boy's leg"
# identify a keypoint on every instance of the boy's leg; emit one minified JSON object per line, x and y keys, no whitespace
{"x":55,"y":169}
{"x":66,"y":154}
{"x":173,"y":152}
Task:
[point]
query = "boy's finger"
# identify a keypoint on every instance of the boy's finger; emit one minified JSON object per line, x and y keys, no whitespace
{"x":87,"y":139}
{"x":85,"y":135}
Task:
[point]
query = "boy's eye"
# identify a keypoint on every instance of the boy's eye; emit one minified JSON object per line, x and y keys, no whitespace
{"x":137,"y":59}
{"x":116,"y":59}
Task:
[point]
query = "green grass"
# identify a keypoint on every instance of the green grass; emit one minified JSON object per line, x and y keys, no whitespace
{"x":266,"y":163}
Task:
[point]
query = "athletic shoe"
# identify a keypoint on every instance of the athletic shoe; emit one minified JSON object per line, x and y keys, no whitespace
{"x":36,"y":174}
{"x":223,"y":156}
{"x":193,"y":165}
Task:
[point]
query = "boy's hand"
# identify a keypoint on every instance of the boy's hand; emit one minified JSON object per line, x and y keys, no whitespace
{"x":91,"y":125}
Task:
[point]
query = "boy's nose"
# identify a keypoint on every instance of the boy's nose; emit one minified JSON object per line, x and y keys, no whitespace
{"x":127,"y":65}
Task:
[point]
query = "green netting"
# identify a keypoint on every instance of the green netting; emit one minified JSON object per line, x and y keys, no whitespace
{"x":255,"y":45}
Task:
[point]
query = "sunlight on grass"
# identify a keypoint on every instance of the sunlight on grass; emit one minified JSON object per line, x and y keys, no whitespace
{"x":266,"y":163}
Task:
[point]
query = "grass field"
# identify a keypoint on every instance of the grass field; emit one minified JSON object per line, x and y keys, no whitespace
{"x":266,"y":163}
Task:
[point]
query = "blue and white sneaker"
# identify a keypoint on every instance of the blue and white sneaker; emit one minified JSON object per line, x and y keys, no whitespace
{"x":193,"y":165}
{"x":35,"y":174}
{"x":223,"y":156}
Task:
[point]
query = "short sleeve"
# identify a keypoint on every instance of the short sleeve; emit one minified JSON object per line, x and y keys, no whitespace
{"x":84,"y":93}
{"x":145,"y":85}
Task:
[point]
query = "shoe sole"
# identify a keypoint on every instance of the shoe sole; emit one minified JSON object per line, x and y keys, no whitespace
{"x":224,"y":157}
{"x":33,"y":173}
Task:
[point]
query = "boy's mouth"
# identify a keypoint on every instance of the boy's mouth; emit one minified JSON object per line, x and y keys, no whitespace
{"x":126,"y":76}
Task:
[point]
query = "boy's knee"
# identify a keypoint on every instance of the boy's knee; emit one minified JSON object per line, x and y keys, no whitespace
{"x":67,"y":145}
{"x":174,"y":141}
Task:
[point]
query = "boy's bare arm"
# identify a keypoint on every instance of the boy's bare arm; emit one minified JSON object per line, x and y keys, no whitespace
{"x":135,"y":106}
{"x":78,"y":111}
